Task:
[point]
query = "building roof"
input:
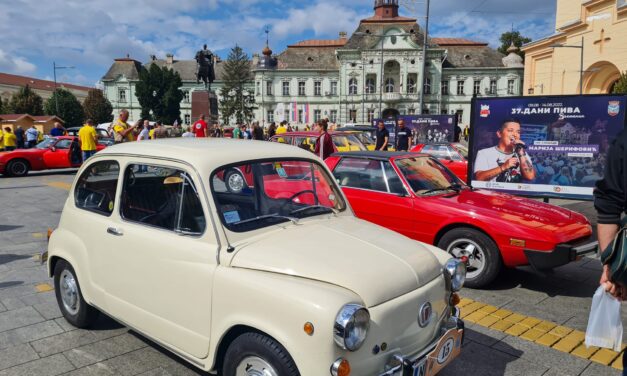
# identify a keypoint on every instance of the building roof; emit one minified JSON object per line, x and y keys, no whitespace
{"x":365,"y":37}
{"x":380,"y":19}
{"x":456,"y":42}
{"x":311,"y":57}
{"x":15,"y":117}
{"x":473,"y":56}
{"x":320,"y":43}
{"x":37,"y":119}
{"x":126,"y":67}
{"x":35,"y":83}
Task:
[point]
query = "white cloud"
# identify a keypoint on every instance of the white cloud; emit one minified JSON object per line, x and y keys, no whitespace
{"x":15,"y":64}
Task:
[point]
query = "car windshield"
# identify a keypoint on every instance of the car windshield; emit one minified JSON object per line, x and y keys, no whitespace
{"x":348,"y":142}
{"x":426,"y":175}
{"x":463,"y":150}
{"x":45,"y":144}
{"x":258,"y":194}
{"x":365,"y":138}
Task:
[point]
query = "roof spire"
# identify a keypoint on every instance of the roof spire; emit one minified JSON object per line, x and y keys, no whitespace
{"x":267,"y":51}
{"x":386,"y":8}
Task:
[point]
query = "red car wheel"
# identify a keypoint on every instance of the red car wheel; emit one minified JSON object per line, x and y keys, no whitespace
{"x":17,"y":167}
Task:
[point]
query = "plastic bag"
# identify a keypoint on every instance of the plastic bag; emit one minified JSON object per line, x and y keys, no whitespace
{"x":605,"y":328}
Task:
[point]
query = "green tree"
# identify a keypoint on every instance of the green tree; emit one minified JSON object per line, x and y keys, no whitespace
{"x":26,"y":101}
{"x":5,"y":107}
{"x":513,"y":36}
{"x":620,"y":87}
{"x":235,"y":101}
{"x":159,"y":94}
{"x":69,"y":108}
{"x":97,"y":107}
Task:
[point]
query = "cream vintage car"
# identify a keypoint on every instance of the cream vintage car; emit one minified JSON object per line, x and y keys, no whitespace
{"x":278,"y":279}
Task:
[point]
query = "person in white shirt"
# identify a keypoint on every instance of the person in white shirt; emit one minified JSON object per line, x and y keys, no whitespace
{"x":506,"y":162}
{"x":188,"y":133}
{"x":145,"y":132}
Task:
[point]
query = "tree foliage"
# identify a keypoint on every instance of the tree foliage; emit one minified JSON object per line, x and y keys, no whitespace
{"x":620,"y":87}
{"x":5,"y":107}
{"x":234,"y":100}
{"x":69,"y":108}
{"x":159,"y":94}
{"x":97,"y":107}
{"x":512,"y":36}
{"x":26,"y":101}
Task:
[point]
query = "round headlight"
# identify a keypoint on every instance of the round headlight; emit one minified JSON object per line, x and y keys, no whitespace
{"x":457,"y":270}
{"x":351,"y":327}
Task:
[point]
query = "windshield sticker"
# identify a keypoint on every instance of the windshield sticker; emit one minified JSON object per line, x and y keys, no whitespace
{"x":332,"y":197}
{"x":281,"y":172}
{"x":110,"y":205}
{"x":231,"y":216}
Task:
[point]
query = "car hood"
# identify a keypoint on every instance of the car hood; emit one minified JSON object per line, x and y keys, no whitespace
{"x":375,"y":263}
{"x":516,"y":210}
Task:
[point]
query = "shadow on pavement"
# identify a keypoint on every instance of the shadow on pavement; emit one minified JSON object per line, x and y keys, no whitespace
{"x":9,"y":227}
{"x":10,"y":284}
{"x":170,"y":355}
{"x":105,"y":322}
{"x":6,"y":258}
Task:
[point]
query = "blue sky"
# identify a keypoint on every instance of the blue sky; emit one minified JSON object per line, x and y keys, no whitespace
{"x":89,"y":34}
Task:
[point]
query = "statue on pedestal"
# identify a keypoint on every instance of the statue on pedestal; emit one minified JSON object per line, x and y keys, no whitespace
{"x":204,"y":67}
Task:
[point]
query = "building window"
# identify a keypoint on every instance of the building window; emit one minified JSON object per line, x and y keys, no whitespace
{"x":301,"y":88}
{"x":286,"y":88}
{"x":333,"y":116}
{"x":476,"y":87}
{"x":333,"y":87}
{"x":188,"y":119}
{"x":492,"y":87}
{"x":270,"y":116}
{"x":352,"y":86}
{"x":269,"y":87}
{"x":411,"y":111}
{"x":460,"y":87}
{"x":445,"y":87}
{"x":510,"y":87}
{"x":286,"y":115}
{"x":460,"y":116}
{"x":301,"y":118}
{"x":371,"y":85}
{"x":389,"y":85}
{"x":411,"y":83}
{"x":186,"y":96}
{"x":443,"y":111}
{"x":317,"y":88}
{"x":258,"y":88}
{"x":370,"y":115}
{"x":352,"y":116}
{"x":122,"y":95}
{"x":427,"y":86}
{"x":316,"y":116}
{"x":425,"y":110}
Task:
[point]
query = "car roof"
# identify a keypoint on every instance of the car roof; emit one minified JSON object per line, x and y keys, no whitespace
{"x":205,"y":154}
{"x":379,"y":155}
{"x":357,"y":128}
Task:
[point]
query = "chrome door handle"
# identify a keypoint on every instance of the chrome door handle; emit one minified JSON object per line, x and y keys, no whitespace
{"x":115,"y":231}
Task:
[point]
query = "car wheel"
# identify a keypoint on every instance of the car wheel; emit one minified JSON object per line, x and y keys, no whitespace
{"x":484,"y":258}
{"x":254,"y":354}
{"x":235,"y":182}
{"x":17,"y":167}
{"x":69,"y":297}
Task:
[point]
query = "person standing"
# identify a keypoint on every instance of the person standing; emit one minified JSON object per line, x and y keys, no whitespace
{"x":466,"y":133}
{"x":237,"y":132}
{"x":10,"y":140}
{"x":144,"y":134}
{"x":1,"y":139}
{"x":324,"y":144}
{"x":382,"y":135}
{"x":31,"y":136}
{"x":160,"y":131}
{"x":122,"y":132}
{"x":19,"y":135}
{"x":403,"y":137}
{"x":88,"y":139}
{"x":58,"y":130}
{"x":188,"y":133}
{"x":271,"y":130}
{"x":257,"y":132}
{"x":200,"y":127}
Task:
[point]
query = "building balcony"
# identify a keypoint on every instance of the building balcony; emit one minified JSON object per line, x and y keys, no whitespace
{"x":392,"y":97}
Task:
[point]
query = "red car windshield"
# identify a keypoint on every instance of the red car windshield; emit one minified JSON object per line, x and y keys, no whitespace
{"x":463,"y":150}
{"x":45,"y":144}
{"x":426,"y":175}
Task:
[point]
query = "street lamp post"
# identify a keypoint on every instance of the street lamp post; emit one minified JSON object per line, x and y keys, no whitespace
{"x":56,"y":99}
{"x":581,"y":71}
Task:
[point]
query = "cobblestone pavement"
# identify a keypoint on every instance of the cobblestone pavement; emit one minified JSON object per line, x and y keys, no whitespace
{"x":36,"y":340}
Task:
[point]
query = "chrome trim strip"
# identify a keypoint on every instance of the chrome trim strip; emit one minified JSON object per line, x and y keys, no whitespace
{"x":586,"y":248}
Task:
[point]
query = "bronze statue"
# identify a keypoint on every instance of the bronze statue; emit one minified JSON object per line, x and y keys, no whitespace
{"x":204,"y":67}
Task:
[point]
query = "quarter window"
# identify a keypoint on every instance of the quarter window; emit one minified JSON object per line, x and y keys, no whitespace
{"x":96,"y":187}
{"x":360,"y":173}
{"x":162,"y":197}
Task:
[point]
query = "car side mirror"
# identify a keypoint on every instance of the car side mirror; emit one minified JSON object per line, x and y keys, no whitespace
{"x":53,"y":148}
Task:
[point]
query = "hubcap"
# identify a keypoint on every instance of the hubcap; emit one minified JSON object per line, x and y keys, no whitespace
{"x":18,"y":168}
{"x":236,"y":182}
{"x":475,"y":254}
{"x":69,"y":292}
{"x":254,"y":366}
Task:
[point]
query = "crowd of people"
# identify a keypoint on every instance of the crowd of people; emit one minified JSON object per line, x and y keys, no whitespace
{"x":20,"y":138}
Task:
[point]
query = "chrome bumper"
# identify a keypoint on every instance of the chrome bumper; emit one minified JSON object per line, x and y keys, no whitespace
{"x":562,"y":254}
{"x":403,"y":366}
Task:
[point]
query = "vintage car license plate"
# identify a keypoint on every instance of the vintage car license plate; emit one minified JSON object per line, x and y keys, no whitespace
{"x":447,"y":349}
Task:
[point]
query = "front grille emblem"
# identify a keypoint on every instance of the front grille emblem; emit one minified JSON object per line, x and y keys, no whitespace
{"x":424,"y":317}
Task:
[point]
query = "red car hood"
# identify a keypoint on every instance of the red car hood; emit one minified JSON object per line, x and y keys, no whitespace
{"x":516,"y":210}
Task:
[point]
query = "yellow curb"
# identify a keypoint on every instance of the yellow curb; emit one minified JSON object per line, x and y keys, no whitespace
{"x":502,"y":313}
{"x":475,"y":316}
{"x":584,"y":352}
{"x":545,"y":326}
{"x":532,"y":334}
{"x":38,"y":235}
{"x":618,"y":363}
{"x":604,"y":356}
{"x":488,"y":309}
{"x":60,"y":185}
{"x":560,"y":331}
{"x":488,"y":321}
{"x":501,"y":326}
{"x":548,"y":339}
{"x":43,"y":287}
{"x":517,"y":330}
{"x":530,"y":322}
{"x":514,"y":318}
{"x":464,"y":302}
{"x":470,"y":308}
{"x":567,"y":344}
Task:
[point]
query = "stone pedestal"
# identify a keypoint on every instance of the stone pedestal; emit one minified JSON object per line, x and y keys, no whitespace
{"x":204,"y":102}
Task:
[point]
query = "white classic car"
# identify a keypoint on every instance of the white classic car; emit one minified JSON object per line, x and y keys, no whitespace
{"x":276,"y":279}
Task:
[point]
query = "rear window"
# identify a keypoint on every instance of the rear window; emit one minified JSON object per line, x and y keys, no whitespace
{"x":96,"y":187}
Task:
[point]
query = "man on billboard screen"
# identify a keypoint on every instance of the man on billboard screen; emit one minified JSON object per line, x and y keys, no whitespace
{"x":507,"y":162}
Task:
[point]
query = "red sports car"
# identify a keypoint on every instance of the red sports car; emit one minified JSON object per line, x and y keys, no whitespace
{"x":453,"y":155}
{"x":414,"y":194}
{"x":51,"y":153}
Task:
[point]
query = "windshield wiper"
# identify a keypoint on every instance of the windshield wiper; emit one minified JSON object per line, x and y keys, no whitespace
{"x":323,"y":208}
{"x":456,"y":187}
{"x":266,"y":216}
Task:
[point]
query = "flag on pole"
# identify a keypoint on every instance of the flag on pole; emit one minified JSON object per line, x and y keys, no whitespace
{"x":306,"y":113}
{"x":294,"y":111}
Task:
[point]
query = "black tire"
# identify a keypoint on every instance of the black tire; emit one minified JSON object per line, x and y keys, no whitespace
{"x":228,"y":175}
{"x":492,"y":263}
{"x":85,"y":315}
{"x":17,"y":167}
{"x":261,"y":346}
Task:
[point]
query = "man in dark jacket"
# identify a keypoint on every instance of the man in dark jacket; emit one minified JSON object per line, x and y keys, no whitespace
{"x":324,"y":143}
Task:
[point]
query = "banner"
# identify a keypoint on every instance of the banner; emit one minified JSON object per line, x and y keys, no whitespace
{"x":543,"y":146}
{"x":425,"y":129}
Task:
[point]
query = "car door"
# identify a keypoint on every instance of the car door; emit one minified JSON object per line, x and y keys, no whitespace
{"x":376,"y":193}
{"x":162,"y":256}
{"x":58,"y":156}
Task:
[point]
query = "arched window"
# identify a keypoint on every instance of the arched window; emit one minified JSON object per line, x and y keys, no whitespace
{"x":370,"y":85}
{"x":352,"y":86}
{"x":389,"y":85}
{"x":411,"y":84}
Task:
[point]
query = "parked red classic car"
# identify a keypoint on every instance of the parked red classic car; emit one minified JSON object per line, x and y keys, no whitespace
{"x":342,"y":141}
{"x":51,"y":153}
{"x":453,"y":155}
{"x":416,"y":195}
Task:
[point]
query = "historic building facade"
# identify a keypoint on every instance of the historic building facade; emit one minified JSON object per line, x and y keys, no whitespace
{"x":11,"y":84}
{"x":592,"y":28}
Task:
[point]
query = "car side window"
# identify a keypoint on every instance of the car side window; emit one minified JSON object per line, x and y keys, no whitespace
{"x":454,"y":154}
{"x":63,"y":144}
{"x":438,"y":151}
{"x":305,"y":143}
{"x":162,"y":197}
{"x":360,"y":173}
{"x":96,"y":187}
{"x":394,"y":181}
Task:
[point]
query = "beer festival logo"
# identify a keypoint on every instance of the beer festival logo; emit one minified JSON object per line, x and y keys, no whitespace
{"x":485,"y":111}
{"x":613,"y":108}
